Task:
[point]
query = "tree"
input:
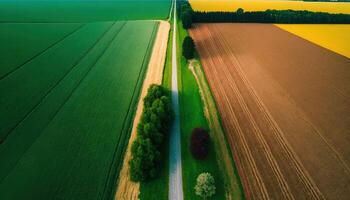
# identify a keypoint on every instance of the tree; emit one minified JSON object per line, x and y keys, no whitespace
{"x":186,"y":19}
{"x":240,"y":11}
{"x":205,"y":186}
{"x":188,"y":48}
{"x":186,"y":14}
{"x":145,"y":162}
{"x":155,"y":121}
{"x":199,"y":145}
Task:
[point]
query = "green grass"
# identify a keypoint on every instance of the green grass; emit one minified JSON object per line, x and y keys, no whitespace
{"x":83,"y":11}
{"x":167,"y":68}
{"x":191,"y":116}
{"x":222,"y":148}
{"x":71,"y":144}
{"x":22,"y":42}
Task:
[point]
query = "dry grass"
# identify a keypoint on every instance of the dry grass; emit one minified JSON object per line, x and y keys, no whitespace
{"x":262,"y":5}
{"x":128,"y":190}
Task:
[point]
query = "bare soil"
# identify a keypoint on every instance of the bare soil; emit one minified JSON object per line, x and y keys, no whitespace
{"x":285,"y":107}
{"x":128,"y":190}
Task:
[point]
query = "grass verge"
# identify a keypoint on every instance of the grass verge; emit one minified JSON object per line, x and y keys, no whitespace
{"x":191,"y":116}
{"x":231,"y":179}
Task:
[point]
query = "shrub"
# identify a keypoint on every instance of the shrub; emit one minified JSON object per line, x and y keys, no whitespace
{"x":188,"y":48}
{"x":199,"y":145}
{"x":205,"y":186}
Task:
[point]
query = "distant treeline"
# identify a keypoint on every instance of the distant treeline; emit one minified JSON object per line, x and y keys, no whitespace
{"x":272,"y":16}
{"x":189,"y":16}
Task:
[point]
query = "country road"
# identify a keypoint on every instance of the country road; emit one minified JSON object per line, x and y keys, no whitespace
{"x":175,"y":169}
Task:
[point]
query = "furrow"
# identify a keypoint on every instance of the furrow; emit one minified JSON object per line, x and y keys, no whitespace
{"x":41,"y":52}
{"x":256,"y":130}
{"x":55,"y":85}
{"x":302,"y":173}
{"x":238,"y":130}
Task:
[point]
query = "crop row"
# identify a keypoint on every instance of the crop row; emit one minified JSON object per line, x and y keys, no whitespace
{"x":67,"y":114}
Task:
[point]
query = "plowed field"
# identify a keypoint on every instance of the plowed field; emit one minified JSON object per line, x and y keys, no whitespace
{"x":285,"y":105}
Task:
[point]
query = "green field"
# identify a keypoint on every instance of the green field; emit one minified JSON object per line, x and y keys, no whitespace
{"x":22,"y":42}
{"x":66,"y":106}
{"x":70,"y":78}
{"x":82,"y":10}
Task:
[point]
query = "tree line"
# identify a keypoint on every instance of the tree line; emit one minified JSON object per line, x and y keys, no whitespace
{"x":189,"y":16}
{"x":154,"y":124}
{"x":272,"y":16}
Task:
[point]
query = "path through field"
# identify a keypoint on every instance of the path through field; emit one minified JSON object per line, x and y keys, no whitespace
{"x":175,"y":170}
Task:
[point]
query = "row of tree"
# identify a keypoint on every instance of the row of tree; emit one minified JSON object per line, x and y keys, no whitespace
{"x":185,"y":13}
{"x":188,"y":16}
{"x":272,"y":16}
{"x":155,"y":122}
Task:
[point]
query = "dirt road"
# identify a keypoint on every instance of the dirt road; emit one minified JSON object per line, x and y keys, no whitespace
{"x":285,"y":106}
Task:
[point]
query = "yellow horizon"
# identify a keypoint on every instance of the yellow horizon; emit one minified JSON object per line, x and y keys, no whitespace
{"x":262,"y":5}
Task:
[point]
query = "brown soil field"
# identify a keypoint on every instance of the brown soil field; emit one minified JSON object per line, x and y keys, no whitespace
{"x":128,"y":190}
{"x":285,"y":107}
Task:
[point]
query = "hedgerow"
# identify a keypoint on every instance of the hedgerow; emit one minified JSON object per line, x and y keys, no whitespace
{"x":154,"y":124}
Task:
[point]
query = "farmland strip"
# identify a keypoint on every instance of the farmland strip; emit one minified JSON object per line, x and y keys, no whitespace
{"x":4,"y":74}
{"x":254,"y":128}
{"x":38,"y":79}
{"x":292,"y":114}
{"x":219,"y":90}
{"x":33,"y":125}
{"x":223,"y":66}
{"x":112,"y":178}
{"x":302,"y":173}
{"x":83,"y":137}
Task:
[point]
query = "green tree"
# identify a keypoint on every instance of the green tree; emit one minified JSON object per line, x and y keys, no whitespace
{"x":188,"y":48}
{"x":144,"y":164}
{"x":205,"y":186}
{"x":155,"y":121}
{"x":240,"y":11}
{"x":186,"y":19}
